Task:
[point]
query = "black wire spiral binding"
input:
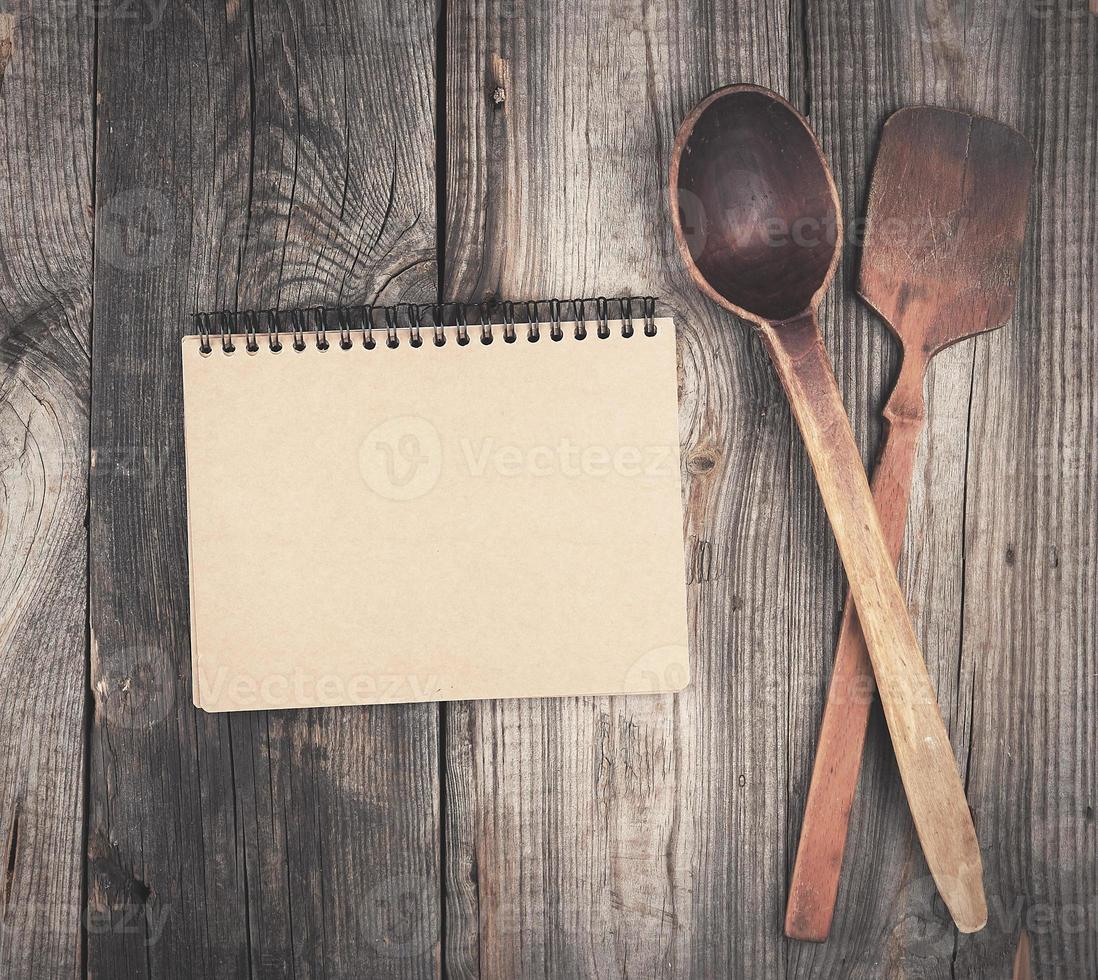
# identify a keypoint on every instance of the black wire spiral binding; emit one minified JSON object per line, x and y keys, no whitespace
{"x":408,"y":318}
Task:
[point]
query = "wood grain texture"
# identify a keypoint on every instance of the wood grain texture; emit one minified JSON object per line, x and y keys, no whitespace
{"x":1030,"y":631}
{"x":932,"y":785}
{"x":238,"y":163}
{"x":813,"y":887}
{"x":737,"y":257}
{"x":630,"y":836}
{"x":946,"y":223}
{"x":857,"y":67}
{"x":1004,"y":64}
{"x":45,"y":311}
{"x":247,"y":156}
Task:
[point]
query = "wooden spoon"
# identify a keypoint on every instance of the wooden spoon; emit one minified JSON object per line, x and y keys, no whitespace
{"x":945,"y":227}
{"x":756,"y":217}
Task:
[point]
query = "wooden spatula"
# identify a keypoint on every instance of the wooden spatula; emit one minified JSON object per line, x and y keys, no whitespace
{"x":946,"y":223}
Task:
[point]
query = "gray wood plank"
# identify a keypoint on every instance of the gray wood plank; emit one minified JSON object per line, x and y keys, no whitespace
{"x":565,"y":853}
{"x":863,"y":63}
{"x":888,"y":919}
{"x":1030,"y":638}
{"x":46,"y":54}
{"x":239,"y":165}
{"x":642,"y":836}
{"x":248,"y":155}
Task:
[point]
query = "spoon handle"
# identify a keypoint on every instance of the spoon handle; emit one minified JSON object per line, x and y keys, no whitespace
{"x":928,"y":769}
{"x":815,"y":882}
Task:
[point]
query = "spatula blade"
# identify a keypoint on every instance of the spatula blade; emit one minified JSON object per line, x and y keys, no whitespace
{"x":945,"y":225}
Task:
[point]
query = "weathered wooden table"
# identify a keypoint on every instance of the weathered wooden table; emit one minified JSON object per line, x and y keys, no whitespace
{"x":164,"y":157}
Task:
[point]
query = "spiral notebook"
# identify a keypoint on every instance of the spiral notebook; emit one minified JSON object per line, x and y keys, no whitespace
{"x":479,"y":506}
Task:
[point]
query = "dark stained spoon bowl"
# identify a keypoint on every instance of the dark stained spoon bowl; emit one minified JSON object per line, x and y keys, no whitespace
{"x":757,"y":221}
{"x":765,"y":240}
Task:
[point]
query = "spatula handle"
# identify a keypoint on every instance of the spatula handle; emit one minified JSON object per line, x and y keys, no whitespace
{"x":924,"y":756}
{"x":816,"y":872}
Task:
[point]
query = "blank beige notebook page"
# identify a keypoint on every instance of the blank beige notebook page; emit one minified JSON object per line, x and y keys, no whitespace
{"x":434,"y":523}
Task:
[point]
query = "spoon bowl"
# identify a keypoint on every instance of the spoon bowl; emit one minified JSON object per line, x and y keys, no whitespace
{"x":759,"y":215}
